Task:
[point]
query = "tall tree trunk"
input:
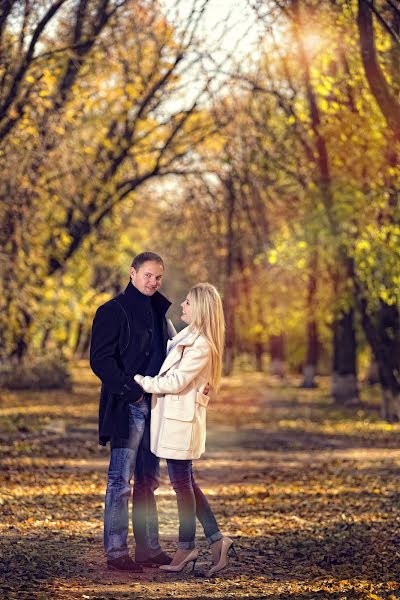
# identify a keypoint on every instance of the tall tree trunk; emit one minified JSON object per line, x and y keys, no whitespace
{"x":230,"y":284}
{"x":82,"y":344}
{"x":382,"y":328}
{"x":310,"y":364}
{"x":395,"y":50}
{"x":45,"y":339}
{"x":389,"y":333}
{"x":277,"y":355}
{"x":344,"y":383}
{"x":385,"y":98}
{"x":373,"y":373}
{"x":383,"y":335}
{"x":344,"y":379}
{"x":258,"y":353}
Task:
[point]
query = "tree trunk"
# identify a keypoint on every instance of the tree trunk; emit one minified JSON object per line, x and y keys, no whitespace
{"x":386,"y":100}
{"x":389,"y":334}
{"x":277,"y":355}
{"x":45,"y":339}
{"x":373,"y":373}
{"x":395,"y":50}
{"x":82,"y":348}
{"x":230,"y":285}
{"x":344,"y":379}
{"x":258,"y":353}
{"x":378,"y":333}
{"x":310,"y":364}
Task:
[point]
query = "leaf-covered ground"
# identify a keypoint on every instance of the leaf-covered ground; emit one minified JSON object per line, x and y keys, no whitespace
{"x":309,"y":493}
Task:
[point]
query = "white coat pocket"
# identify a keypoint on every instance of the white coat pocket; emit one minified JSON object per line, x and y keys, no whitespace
{"x":179,"y":407}
{"x":202,"y":399}
{"x":177,"y":427}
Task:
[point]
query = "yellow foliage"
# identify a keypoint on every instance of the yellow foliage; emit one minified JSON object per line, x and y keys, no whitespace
{"x":272,"y":257}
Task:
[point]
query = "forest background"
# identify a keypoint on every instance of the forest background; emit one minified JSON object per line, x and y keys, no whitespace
{"x":255,"y":147}
{"x":254,"y":144}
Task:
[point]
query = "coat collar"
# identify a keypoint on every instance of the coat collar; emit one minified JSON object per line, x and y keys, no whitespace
{"x":132,"y":298}
{"x":186,"y":337}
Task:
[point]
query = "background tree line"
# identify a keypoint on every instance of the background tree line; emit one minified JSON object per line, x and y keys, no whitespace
{"x":274,"y":176}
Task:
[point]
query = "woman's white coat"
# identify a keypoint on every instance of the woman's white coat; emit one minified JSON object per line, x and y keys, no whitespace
{"x":178,"y":406}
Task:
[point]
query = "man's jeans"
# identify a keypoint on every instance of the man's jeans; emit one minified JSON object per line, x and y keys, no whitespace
{"x":135,"y":461}
{"x":191,"y":503}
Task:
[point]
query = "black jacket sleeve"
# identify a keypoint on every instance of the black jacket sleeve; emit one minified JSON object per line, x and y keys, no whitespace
{"x":104,"y":352}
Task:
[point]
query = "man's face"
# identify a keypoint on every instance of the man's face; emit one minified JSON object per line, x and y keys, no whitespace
{"x":147,"y":279}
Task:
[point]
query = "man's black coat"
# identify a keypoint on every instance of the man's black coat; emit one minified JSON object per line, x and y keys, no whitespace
{"x":122,"y":335}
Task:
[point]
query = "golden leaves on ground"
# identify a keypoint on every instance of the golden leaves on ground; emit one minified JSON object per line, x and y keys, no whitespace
{"x":309,"y":494}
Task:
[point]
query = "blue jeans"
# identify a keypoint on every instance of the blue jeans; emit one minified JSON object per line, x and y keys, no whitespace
{"x":138,"y":462}
{"x":191,"y":503}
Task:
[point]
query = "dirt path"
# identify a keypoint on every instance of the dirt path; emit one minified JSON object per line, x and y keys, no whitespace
{"x":310,"y":495}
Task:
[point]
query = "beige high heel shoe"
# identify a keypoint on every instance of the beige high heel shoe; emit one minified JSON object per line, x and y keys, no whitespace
{"x":227,"y":550}
{"x":192,"y":557}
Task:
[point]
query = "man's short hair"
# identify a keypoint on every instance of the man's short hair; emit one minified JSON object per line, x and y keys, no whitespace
{"x":140,"y":259}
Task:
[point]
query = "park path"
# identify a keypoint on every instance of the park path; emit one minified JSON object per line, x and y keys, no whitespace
{"x":308,"y":492}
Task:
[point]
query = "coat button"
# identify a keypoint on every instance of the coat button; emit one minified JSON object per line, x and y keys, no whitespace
{"x":147,"y":353}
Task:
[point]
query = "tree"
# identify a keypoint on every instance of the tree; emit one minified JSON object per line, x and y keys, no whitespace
{"x":98,"y":121}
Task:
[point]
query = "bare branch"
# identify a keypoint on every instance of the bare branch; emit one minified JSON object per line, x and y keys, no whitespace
{"x":383,"y":21}
{"x":15,"y":85}
{"x":387,"y":102}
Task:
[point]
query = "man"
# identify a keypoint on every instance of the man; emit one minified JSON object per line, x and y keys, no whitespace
{"x":129,"y":336}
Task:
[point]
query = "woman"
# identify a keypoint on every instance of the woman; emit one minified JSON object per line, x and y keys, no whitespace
{"x":178,"y":418}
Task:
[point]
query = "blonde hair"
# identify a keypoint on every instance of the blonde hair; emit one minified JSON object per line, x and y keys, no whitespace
{"x":208,"y":319}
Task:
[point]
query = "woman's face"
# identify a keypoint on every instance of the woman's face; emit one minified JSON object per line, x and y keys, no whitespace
{"x":186,"y":310}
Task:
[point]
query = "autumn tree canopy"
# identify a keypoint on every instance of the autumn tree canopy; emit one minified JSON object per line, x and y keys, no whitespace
{"x":122,"y":125}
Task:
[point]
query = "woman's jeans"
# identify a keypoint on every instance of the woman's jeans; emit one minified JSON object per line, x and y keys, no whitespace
{"x":191,"y":503}
{"x":135,"y":461}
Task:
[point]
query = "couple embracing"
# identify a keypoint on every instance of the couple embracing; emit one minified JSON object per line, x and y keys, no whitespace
{"x":153,"y":403}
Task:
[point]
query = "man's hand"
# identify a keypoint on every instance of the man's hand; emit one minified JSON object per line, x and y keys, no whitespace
{"x":206,"y":389}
